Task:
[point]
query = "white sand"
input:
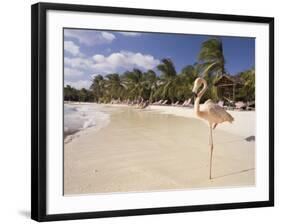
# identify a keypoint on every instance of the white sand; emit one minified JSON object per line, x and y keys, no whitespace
{"x":243,"y":125}
{"x":144,"y":150}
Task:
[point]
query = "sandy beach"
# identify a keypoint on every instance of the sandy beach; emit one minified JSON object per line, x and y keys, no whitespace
{"x":156,"y":149}
{"x":243,"y":125}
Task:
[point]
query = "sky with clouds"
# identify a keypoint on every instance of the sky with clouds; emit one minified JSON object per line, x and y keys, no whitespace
{"x":91,"y":52}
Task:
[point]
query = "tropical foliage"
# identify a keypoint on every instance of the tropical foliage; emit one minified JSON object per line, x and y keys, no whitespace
{"x":98,"y":88}
{"x":211,"y":57}
{"x":164,"y":83}
{"x":82,"y":95}
{"x":212,"y":64}
{"x":247,"y":92}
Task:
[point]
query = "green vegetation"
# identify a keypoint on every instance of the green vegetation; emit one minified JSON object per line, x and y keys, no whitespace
{"x":137,"y":86}
{"x":82,"y":95}
{"x":211,"y":57}
{"x":247,"y":92}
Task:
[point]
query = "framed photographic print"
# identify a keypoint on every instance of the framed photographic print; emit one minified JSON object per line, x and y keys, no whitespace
{"x":138,"y":111}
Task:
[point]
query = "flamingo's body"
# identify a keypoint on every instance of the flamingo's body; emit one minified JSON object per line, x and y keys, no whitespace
{"x":209,"y":111}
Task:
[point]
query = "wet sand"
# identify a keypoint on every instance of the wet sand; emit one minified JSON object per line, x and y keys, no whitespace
{"x":145,"y":150}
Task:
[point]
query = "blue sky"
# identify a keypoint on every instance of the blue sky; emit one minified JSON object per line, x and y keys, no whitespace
{"x":91,"y":52}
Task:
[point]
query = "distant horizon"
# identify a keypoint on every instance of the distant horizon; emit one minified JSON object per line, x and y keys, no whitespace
{"x":89,"y":52}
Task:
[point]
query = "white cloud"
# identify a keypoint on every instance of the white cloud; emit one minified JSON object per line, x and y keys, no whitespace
{"x":130,"y":34}
{"x":98,"y":58}
{"x":81,"y":70}
{"x":72,"y":72}
{"x":108,"y":36}
{"x":123,"y":60}
{"x":79,"y":84}
{"x":78,"y":62}
{"x":72,"y":48}
{"x":90,"y":37}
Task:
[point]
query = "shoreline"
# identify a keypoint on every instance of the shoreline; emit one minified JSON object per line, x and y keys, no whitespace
{"x":80,"y":118}
{"x":245,"y":119}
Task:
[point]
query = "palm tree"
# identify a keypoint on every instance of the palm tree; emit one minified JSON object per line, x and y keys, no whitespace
{"x":167,"y":68}
{"x":189,"y":73}
{"x":98,"y":84}
{"x":135,"y":84}
{"x":151,"y":80}
{"x":212,"y":64}
{"x":247,"y":92}
{"x":187,"y":77}
{"x":114,"y":86}
{"x":211,"y":57}
{"x":83,"y":95}
{"x":168,"y":79}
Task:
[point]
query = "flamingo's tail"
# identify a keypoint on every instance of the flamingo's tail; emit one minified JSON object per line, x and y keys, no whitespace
{"x":229,"y":118}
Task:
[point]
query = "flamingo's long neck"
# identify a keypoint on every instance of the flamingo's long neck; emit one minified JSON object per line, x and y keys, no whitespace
{"x":198,"y":98}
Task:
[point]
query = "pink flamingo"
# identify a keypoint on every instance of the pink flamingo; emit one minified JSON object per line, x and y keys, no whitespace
{"x":209,"y":111}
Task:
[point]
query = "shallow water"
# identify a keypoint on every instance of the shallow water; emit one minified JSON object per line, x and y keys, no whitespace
{"x":78,"y":117}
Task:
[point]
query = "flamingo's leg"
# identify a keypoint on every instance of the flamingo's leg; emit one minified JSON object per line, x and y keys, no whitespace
{"x":210,"y":140}
{"x":215,"y":125}
{"x":211,"y":151}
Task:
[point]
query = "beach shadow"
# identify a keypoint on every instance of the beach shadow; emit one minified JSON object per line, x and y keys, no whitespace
{"x":248,"y":139}
{"x":24,"y":213}
{"x":233,"y":173}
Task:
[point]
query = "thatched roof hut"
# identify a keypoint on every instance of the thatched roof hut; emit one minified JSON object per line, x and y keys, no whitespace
{"x":227,"y":86}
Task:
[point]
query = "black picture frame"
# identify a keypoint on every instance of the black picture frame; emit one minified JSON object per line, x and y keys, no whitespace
{"x":39,"y":108}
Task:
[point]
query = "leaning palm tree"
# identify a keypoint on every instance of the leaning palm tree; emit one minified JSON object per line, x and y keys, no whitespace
{"x":168,"y":79}
{"x":211,"y":64}
{"x":211,"y":59}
